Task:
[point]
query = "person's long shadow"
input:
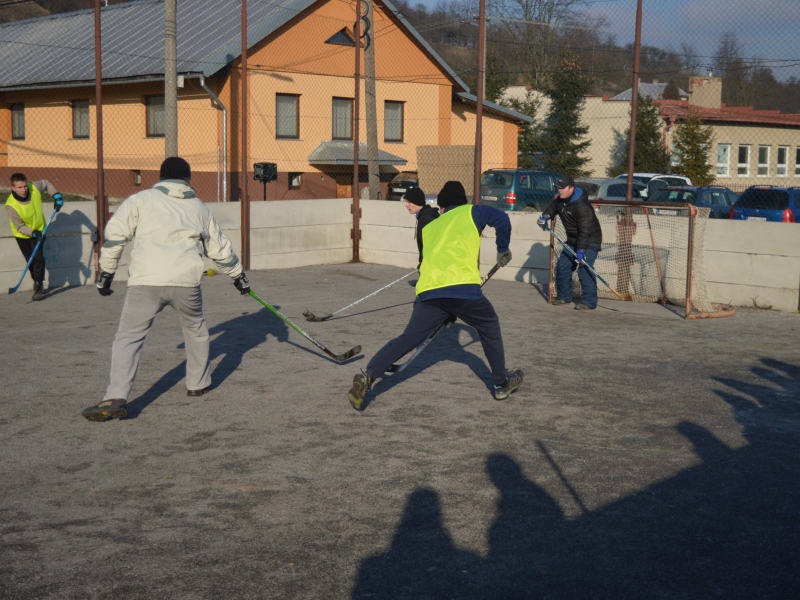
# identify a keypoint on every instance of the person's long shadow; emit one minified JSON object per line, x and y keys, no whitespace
{"x":422,"y":561}
{"x":229,"y":340}
{"x":728,"y":527}
{"x":64,"y":252}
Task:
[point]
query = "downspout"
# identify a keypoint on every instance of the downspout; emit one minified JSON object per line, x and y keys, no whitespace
{"x":224,"y":110}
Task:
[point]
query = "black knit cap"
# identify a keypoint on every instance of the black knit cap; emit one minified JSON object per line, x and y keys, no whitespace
{"x":415,"y":196}
{"x":452,"y":194}
{"x":175,"y":168}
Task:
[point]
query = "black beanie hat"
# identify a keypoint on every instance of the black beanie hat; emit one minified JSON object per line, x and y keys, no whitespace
{"x":415,"y":196}
{"x":175,"y":168}
{"x":452,"y":194}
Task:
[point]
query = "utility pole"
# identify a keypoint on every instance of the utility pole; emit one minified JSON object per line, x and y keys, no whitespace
{"x":637,"y":50}
{"x":245,"y":198}
{"x":356,"y":206}
{"x":373,"y":170}
{"x":101,"y":198}
{"x":476,"y":182}
{"x":170,"y":79}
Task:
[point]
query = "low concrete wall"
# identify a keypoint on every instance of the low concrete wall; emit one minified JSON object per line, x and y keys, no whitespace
{"x":747,"y":263}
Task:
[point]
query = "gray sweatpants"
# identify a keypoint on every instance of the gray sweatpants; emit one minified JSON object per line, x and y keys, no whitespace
{"x":142,"y":304}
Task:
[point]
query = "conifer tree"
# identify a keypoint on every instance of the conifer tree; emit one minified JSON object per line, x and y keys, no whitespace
{"x":529,"y":133}
{"x":671,"y":91}
{"x":691,"y":145}
{"x":650,"y":155}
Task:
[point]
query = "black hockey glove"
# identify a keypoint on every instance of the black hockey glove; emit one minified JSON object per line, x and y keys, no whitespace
{"x":242,"y":283}
{"x":104,"y":283}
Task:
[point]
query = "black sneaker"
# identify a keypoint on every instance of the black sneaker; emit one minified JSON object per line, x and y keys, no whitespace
{"x":560,"y":302}
{"x":198,"y":392}
{"x":38,"y":291}
{"x":514,"y":380}
{"x":107,"y":409}
{"x":582,"y":306}
{"x":362,"y":383}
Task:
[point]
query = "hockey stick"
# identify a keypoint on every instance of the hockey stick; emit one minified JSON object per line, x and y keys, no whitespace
{"x":398,"y":368}
{"x":312,"y":317}
{"x":33,"y":255}
{"x":337,"y":357}
{"x":584,"y":263}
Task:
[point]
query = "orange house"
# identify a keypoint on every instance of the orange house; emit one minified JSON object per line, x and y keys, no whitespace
{"x":300,"y":105}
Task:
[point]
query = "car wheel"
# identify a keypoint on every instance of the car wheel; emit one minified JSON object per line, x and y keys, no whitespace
{"x":529,"y":209}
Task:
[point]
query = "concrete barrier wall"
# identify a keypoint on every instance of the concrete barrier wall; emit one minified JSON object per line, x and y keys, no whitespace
{"x":747,"y":263}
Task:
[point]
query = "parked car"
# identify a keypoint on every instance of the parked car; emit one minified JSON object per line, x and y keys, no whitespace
{"x":518,"y":189}
{"x":590,"y":185}
{"x":768,"y":203}
{"x":614,"y":189}
{"x":718,"y":198}
{"x":656,"y":181}
{"x":401,"y":183}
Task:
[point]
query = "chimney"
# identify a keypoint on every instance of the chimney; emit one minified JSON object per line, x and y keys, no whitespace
{"x":705,"y":92}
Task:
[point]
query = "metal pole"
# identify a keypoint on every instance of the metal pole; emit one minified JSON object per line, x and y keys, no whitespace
{"x":170,"y":79}
{"x":373,"y":170}
{"x":245,"y":199}
{"x":101,"y":198}
{"x":356,"y":233}
{"x":476,"y":182}
{"x":637,"y":50}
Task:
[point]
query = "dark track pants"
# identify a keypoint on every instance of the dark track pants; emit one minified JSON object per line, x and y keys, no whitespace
{"x":428,"y":315}
{"x":37,"y":264}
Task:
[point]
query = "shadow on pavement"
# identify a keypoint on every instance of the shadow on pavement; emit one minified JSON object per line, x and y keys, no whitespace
{"x":728,"y":527}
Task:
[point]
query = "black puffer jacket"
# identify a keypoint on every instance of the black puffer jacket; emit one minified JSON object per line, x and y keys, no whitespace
{"x":579,"y":220}
{"x":426,"y":214}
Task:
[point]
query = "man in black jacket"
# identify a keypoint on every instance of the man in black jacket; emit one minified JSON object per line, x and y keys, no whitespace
{"x":425,"y":213}
{"x":583,"y":236}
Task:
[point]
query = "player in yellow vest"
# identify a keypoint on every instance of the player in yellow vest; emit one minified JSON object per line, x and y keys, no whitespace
{"x":449,"y":288}
{"x":27,"y":221}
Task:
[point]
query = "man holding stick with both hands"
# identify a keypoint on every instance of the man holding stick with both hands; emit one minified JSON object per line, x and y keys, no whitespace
{"x":449,"y":287}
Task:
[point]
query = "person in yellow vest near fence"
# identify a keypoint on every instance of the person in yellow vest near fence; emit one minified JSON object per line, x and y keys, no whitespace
{"x":449,"y":287}
{"x":27,"y":220}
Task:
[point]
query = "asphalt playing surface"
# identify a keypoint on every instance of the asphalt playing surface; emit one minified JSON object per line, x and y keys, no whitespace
{"x":644,"y":456}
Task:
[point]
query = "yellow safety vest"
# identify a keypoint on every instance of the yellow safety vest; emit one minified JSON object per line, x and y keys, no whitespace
{"x":450,"y":248}
{"x":30,"y":212}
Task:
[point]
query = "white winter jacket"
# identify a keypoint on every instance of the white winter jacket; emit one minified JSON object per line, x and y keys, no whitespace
{"x":171,"y":231}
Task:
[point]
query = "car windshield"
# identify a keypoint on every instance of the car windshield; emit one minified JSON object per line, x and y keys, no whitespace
{"x":678,"y":196}
{"x":763,"y":198}
{"x":618,"y":190}
{"x":402,"y":178}
{"x":497,"y":179}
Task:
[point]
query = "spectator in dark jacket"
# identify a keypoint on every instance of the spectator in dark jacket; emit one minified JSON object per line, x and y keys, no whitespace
{"x":584,"y":236}
{"x":416,"y":205}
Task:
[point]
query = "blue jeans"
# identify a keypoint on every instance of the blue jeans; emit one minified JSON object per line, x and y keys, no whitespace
{"x":566,"y":265}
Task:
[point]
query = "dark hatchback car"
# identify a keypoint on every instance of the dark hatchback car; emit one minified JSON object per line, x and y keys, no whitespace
{"x":401,"y":183}
{"x":768,"y":203}
{"x":518,"y":189}
{"x":718,"y":198}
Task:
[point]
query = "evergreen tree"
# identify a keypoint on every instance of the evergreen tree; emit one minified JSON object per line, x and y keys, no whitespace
{"x":692,"y":143}
{"x":671,"y":91}
{"x":497,"y":79}
{"x":650,"y":155}
{"x":529,"y":133}
{"x":560,"y":145}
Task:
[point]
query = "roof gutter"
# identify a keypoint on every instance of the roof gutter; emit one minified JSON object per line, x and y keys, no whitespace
{"x":217,"y":102}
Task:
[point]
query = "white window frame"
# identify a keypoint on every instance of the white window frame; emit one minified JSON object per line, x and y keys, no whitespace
{"x":763,"y":167}
{"x":393,"y":125}
{"x":287,"y":116}
{"x":797,"y":161}
{"x":80,"y":119}
{"x":342,"y":118}
{"x":743,"y":168}
{"x":18,"y":121}
{"x":782,"y":168}
{"x":724,"y":168}
{"x":155,"y":115}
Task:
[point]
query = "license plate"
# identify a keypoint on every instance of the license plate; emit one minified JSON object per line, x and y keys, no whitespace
{"x":661,"y":211}
{"x":756,"y":218}
{"x":398,"y":190}
{"x":490,"y":198}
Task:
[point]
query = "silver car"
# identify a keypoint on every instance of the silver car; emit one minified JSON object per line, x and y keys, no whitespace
{"x":615,"y":190}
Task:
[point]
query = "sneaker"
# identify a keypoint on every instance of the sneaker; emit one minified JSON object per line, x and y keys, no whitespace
{"x":107,"y":409}
{"x":38,"y":291}
{"x":560,"y":302}
{"x":362,"y":383}
{"x":514,"y":380}
{"x":582,"y":306}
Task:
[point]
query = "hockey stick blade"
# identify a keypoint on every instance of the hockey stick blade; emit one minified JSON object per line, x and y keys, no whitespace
{"x":400,"y":367}
{"x":337,"y":357}
{"x":314,"y":318}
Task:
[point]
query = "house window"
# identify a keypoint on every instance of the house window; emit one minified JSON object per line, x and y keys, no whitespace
{"x":287,"y":116}
{"x":392,"y":121}
{"x":18,"y":121}
{"x":342,"y":119}
{"x":295,"y":181}
{"x":743,"y":168}
{"x":763,"y":161}
{"x":797,"y":162}
{"x":80,"y":118}
{"x":155,"y":115}
{"x":783,"y":160}
{"x":723,"y":160}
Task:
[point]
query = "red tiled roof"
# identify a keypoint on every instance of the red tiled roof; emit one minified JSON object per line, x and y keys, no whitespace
{"x":679,"y":109}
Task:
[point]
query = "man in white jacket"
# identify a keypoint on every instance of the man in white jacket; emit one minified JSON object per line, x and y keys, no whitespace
{"x":171,"y":230}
